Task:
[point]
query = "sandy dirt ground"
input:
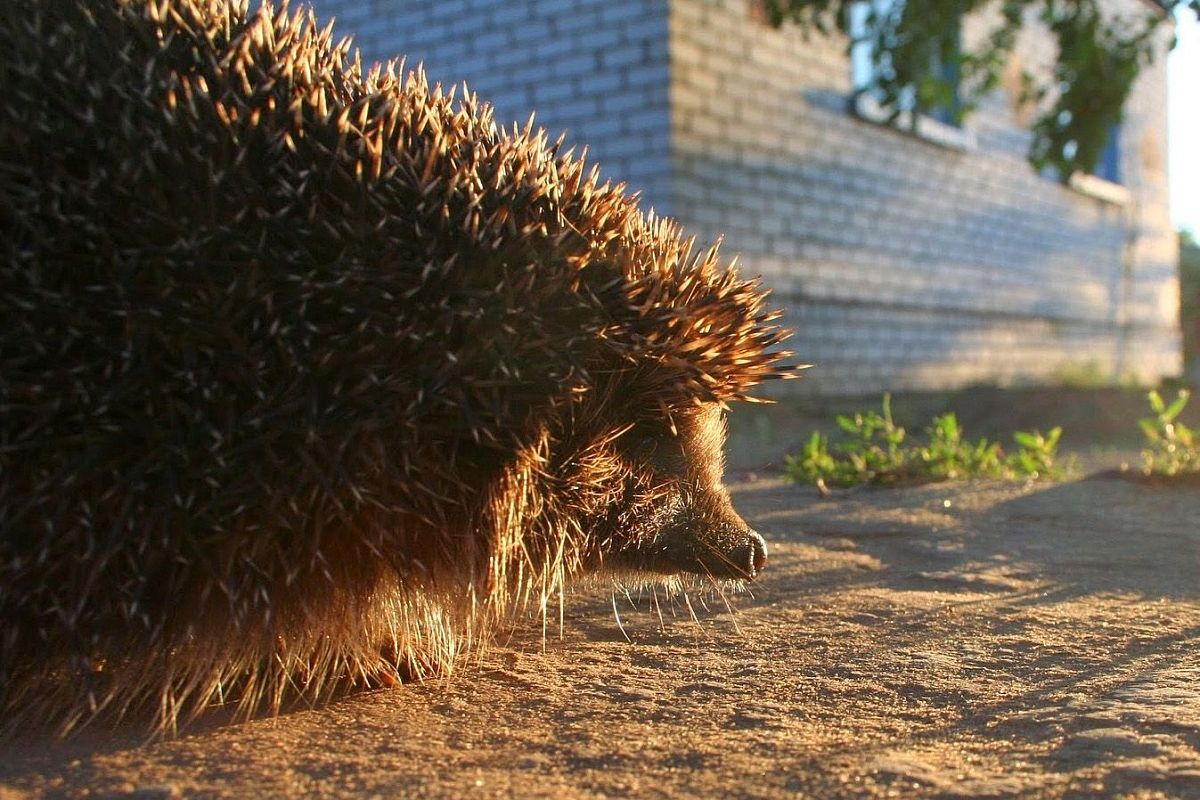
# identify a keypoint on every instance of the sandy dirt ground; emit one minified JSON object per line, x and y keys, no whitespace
{"x":969,"y":640}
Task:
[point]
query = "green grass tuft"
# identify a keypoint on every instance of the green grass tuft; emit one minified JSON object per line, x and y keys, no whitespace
{"x":1172,"y":447}
{"x":875,"y":450}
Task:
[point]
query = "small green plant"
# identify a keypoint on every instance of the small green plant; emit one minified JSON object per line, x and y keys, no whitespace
{"x":1037,"y":454}
{"x":871,"y":451}
{"x":949,"y":457}
{"x":1173,"y":448}
{"x":874,"y":451}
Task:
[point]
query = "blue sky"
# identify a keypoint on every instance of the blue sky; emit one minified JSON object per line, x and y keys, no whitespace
{"x":1183,"y":109}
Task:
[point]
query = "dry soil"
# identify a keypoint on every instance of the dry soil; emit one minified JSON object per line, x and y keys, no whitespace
{"x":966,"y":640}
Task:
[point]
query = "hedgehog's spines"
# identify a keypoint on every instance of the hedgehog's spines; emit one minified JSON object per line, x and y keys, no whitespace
{"x":287,"y":347}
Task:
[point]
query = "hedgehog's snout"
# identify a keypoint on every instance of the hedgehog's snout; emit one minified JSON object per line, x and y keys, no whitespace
{"x":744,"y":560}
{"x":722,"y":550}
{"x":756,"y":560}
{"x":692,"y":526}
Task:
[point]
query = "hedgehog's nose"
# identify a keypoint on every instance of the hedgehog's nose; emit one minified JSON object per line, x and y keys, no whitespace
{"x":758,"y":554}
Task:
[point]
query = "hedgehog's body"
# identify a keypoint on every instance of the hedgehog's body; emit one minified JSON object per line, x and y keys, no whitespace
{"x":306,"y":375}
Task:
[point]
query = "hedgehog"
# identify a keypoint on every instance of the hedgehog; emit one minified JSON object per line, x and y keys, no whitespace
{"x":311,"y":374}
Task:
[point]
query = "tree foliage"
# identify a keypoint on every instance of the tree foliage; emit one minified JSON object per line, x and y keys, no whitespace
{"x":1079,"y":102}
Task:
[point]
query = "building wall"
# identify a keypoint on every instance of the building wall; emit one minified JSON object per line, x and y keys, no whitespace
{"x":595,"y":69}
{"x":902,"y":263}
{"x":906,"y":263}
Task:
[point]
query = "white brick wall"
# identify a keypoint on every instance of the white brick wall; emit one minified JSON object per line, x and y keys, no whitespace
{"x":902,"y":263}
{"x":905,"y":263}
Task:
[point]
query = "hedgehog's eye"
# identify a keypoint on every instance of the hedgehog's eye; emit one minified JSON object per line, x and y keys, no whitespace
{"x":642,"y":441}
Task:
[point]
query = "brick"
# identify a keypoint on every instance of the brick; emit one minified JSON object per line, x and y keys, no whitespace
{"x":623,"y":102}
{"x":600,"y":128}
{"x":647,"y":75}
{"x":618,"y":12}
{"x":653,"y":28}
{"x":492,"y":41}
{"x":598,"y":40}
{"x":552,"y":92}
{"x":554,"y":8}
{"x":553,"y":47}
{"x":531,"y":31}
{"x":574,"y":66}
{"x":507,"y":13}
{"x":512,"y":101}
{"x":579,"y":111}
{"x":600,"y":82}
{"x":625,"y":55}
{"x":576,"y":20}
{"x":448,"y":9}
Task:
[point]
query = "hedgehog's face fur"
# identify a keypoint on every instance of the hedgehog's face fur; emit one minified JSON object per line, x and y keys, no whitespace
{"x":631,"y":498}
{"x":675,"y":514}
